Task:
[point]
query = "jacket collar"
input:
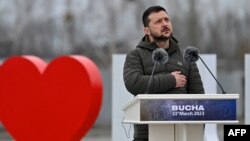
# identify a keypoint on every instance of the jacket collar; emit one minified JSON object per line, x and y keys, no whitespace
{"x":173,"y":44}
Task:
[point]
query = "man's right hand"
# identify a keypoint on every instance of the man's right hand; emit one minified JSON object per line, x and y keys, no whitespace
{"x":180,"y":79}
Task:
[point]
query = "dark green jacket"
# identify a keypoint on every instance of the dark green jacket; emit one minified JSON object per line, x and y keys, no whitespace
{"x":138,"y":68}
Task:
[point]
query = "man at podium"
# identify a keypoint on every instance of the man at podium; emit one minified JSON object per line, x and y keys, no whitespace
{"x":143,"y":75}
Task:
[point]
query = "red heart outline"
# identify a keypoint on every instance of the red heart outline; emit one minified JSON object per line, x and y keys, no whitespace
{"x":55,"y":102}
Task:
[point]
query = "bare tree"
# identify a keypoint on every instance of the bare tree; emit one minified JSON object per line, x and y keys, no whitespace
{"x":69,"y":24}
{"x":194,"y":31}
{"x":23,"y":17}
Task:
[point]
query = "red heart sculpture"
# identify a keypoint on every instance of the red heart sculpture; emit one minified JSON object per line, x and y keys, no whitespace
{"x":58,"y":102}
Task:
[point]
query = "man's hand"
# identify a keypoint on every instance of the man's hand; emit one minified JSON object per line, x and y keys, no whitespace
{"x":180,"y":79}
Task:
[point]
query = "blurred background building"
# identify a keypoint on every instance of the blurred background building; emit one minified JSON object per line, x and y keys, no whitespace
{"x":99,"y":28}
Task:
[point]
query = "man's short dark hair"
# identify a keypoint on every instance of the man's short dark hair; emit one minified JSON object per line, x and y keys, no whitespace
{"x":147,"y":12}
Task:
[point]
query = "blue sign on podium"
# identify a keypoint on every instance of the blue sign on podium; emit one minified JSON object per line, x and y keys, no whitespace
{"x":188,"y":109}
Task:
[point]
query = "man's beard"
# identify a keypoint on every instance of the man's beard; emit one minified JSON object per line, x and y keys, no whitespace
{"x":160,"y":38}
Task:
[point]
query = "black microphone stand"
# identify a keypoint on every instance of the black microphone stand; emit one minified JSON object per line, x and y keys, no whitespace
{"x":150,"y":78}
{"x":223,"y":92}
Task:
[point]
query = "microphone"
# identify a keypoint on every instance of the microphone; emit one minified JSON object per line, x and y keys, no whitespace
{"x":191,"y":55}
{"x":159,"y":57}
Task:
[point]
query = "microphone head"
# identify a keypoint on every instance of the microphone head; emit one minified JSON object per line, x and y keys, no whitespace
{"x":191,"y":54}
{"x":160,"y":56}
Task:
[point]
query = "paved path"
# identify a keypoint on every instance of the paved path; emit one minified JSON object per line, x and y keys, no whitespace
{"x":95,"y":134}
{"x":102,"y":134}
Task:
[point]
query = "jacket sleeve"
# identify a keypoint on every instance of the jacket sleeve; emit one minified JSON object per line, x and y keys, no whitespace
{"x":136,"y":82}
{"x":195,"y":84}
